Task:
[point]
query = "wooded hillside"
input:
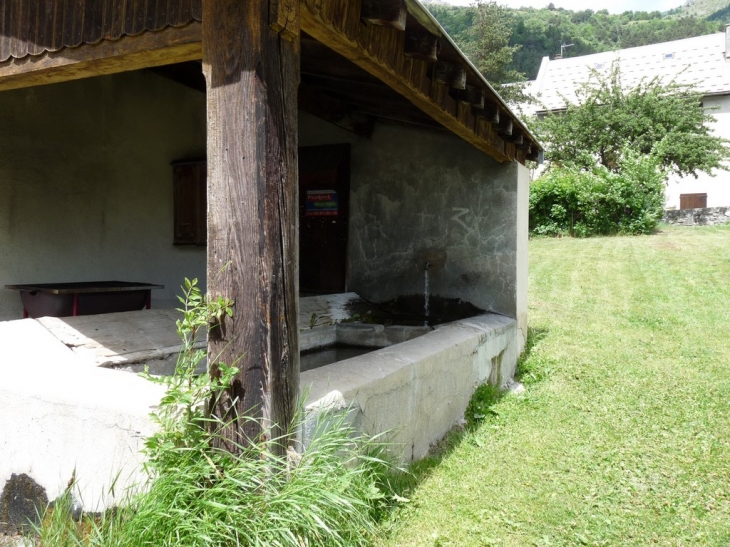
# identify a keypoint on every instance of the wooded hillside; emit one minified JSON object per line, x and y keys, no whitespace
{"x":541,"y":32}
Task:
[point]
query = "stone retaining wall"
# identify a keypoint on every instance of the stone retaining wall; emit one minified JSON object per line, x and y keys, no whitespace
{"x":708,"y":216}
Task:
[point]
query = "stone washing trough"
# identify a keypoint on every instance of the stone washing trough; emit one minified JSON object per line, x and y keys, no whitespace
{"x":67,"y":410}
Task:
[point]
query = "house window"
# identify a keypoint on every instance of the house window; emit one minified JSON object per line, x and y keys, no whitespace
{"x":190,"y":207}
{"x":668,"y":56}
{"x":598,"y":66}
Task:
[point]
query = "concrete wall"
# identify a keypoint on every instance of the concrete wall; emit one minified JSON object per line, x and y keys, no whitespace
{"x":60,"y":417}
{"x":420,"y":193}
{"x":86,"y":183}
{"x":418,"y":390}
{"x":716,"y":186}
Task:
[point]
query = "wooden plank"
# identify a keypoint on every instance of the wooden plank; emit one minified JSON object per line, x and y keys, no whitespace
{"x":171,"y":45}
{"x":161,"y":15}
{"x":414,"y":87}
{"x":490,"y":112}
{"x":421,"y":44}
{"x":252,"y":75}
{"x":15,"y":19}
{"x":75,"y":20}
{"x":388,"y":13}
{"x":129,"y":16}
{"x":471,"y":94}
{"x":186,"y":9}
{"x":93,"y":21}
{"x":195,"y":9}
{"x":450,"y":74}
{"x":504,"y":127}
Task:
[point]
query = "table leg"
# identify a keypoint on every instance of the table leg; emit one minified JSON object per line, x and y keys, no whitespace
{"x":76,"y":305}
{"x":148,"y":299}
{"x":25,"y":313}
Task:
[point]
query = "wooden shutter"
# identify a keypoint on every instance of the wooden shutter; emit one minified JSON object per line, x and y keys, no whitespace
{"x":190,"y":192}
{"x":692,"y":201}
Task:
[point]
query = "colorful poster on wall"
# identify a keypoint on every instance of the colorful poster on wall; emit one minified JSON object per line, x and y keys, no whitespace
{"x":322,"y":203}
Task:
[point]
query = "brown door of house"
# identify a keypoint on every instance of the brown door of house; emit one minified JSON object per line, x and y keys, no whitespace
{"x":324,"y":199}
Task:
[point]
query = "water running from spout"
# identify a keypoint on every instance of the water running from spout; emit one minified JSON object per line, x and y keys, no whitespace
{"x":425,"y":297}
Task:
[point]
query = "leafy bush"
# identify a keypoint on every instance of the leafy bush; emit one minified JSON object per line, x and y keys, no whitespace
{"x":330,"y":494}
{"x":569,"y":200}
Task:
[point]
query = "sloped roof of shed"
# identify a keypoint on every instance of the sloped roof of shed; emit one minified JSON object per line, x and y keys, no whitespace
{"x":700,"y":61}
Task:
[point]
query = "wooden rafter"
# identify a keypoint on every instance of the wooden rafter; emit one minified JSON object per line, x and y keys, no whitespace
{"x":379,"y":50}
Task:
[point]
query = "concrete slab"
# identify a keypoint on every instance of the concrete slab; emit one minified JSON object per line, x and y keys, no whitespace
{"x":59,"y":417}
{"x":121,"y":339}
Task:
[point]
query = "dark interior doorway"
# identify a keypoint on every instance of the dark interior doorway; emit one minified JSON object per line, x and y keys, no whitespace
{"x":324,"y":206}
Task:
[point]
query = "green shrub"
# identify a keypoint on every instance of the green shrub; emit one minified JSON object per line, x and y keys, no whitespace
{"x":571,"y":201}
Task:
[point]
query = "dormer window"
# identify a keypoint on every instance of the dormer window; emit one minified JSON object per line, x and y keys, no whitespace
{"x":598,"y":66}
{"x":668,"y":56}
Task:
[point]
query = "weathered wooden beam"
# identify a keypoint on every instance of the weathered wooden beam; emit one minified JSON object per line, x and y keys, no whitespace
{"x":517,"y":138}
{"x":504,"y":127}
{"x":149,"y":49}
{"x":490,"y":112}
{"x":533,"y":154}
{"x":421,"y":44}
{"x":388,"y":13}
{"x":284,"y":18}
{"x":379,"y":51}
{"x":450,"y":74}
{"x":252,"y":75}
{"x":334,"y":111}
{"x":471,"y":94}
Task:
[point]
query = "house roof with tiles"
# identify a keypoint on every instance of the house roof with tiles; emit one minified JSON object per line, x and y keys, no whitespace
{"x":703,"y":61}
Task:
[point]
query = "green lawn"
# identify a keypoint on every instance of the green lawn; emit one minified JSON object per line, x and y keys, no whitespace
{"x":623,"y":435}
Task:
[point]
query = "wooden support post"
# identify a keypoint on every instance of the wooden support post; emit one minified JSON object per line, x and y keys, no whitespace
{"x":252,"y":74}
{"x":387,"y":13}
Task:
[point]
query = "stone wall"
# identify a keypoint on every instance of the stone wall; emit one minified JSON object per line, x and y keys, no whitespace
{"x":422,"y":196}
{"x":709,"y":216}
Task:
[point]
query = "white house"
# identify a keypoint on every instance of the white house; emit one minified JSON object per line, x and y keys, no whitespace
{"x":703,"y":61}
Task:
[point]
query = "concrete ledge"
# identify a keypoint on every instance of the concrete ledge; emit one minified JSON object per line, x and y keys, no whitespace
{"x":419,"y":389}
{"x":58,"y":415}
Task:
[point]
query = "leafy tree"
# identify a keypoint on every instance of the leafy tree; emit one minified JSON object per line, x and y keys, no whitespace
{"x":488,"y":46}
{"x":663,"y":120}
{"x":536,"y":33}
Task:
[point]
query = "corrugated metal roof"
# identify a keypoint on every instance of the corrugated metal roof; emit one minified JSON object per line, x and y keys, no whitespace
{"x":700,"y":61}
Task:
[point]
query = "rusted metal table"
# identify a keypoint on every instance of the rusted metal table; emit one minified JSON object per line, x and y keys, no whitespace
{"x":84,"y":298}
